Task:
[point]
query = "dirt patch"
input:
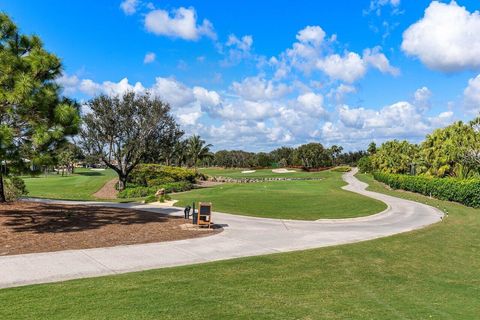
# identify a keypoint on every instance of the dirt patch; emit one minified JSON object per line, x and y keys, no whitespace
{"x":27,"y":227}
{"x":207,"y":184}
{"x":108,"y":190}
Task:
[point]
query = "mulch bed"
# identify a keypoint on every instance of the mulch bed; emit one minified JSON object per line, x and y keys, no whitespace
{"x":108,"y":190}
{"x":28,"y":227}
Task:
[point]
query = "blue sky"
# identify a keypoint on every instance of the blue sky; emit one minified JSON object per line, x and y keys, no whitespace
{"x":260,"y":74}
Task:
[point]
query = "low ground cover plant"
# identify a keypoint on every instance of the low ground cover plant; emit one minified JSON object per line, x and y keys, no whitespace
{"x":465,"y":191}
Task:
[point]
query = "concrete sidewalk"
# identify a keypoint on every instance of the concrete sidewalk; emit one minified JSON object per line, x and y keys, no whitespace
{"x":242,"y":237}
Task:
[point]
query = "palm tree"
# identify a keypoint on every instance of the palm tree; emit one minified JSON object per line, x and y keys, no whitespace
{"x":197,"y":149}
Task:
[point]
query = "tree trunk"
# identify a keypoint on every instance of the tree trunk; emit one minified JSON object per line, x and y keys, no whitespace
{"x":2,"y":190}
{"x":122,"y":182}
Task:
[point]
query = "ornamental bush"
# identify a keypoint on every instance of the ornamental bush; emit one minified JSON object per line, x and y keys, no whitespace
{"x":465,"y":191}
{"x":14,"y":188}
{"x":148,"y":175}
{"x":138,"y":192}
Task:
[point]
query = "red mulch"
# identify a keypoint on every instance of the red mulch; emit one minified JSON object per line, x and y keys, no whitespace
{"x":27,"y":227}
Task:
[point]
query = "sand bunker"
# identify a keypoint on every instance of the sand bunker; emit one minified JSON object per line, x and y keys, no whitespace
{"x":283,"y":170}
{"x":248,"y":171}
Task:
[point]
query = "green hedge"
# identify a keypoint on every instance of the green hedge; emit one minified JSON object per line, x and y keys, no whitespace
{"x":149,"y":175}
{"x":138,"y":192}
{"x":465,"y":191}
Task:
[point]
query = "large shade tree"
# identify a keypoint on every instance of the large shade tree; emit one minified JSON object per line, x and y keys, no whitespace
{"x":34,"y":119}
{"x":119,"y":130}
{"x":313,"y":155}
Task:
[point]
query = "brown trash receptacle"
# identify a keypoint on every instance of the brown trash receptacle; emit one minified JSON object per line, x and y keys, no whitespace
{"x":205,"y":214}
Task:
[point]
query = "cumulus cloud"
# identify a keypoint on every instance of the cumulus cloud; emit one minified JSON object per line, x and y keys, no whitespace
{"x":206,"y":98}
{"x":68,"y":83}
{"x":314,"y":52}
{"x":421,"y":98}
{"x":400,"y":120}
{"x":262,"y":113}
{"x":338,"y":94}
{"x":236,"y":49}
{"x":379,"y":61}
{"x":471,"y":95}
{"x":311,"y":34}
{"x":446,"y":39}
{"x":180,"y":23}
{"x":129,"y":7}
{"x":258,"y":88}
{"x":149,"y":57}
{"x":348,"y":67}
{"x":312,"y":104}
{"x":351,"y":66}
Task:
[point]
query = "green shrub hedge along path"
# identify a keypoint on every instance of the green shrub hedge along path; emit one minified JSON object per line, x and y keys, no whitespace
{"x":79,"y":186}
{"x":465,"y":191}
{"x":426,"y":274}
{"x":300,"y":200}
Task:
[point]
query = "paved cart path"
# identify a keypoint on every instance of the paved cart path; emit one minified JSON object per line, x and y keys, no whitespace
{"x":242,"y":237}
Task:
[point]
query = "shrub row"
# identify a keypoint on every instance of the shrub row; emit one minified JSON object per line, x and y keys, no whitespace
{"x":137,"y":192}
{"x":465,"y":191}
{"x":149,"y":175}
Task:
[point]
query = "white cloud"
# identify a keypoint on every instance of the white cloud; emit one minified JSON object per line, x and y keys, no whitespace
{"x":376,"y":6}
{"x":447,"y":38}
{"x":257,"y":88}
{"x":91,"y":88}
{"x":314,"y":52}
{"x":149,"y":57}
{"x":68,"y":83}
{"x":129,"y":7}
{"x":378,"y":60}
{"x":240,"y":109}
{"x":401,"y":120}
{"x":312,"y":104}
{"x":311,"y":34}
{"x":339,"y":93}
{"x":182,"y":23}
{"x":277,"y":113}
{"x":471,"y":95}
{"x":236,"y":49}
{"x":348,"y":68}
{"x":206,"y":98}
{"x":173,"y":91}
{"x":421,"y":98}
{"x":189,"y":118}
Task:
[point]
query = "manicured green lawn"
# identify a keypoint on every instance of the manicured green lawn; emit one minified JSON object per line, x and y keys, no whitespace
{"x":263,"y":173}
{"x":305,"y":200}
{"x":432,"y":273}
{"x":79,"y":186}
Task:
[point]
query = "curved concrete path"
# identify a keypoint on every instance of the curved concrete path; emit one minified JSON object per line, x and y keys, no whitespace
{"x":242,"y":236}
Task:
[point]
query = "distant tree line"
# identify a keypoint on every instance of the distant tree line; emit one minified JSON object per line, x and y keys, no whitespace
{"x":311,"y":155}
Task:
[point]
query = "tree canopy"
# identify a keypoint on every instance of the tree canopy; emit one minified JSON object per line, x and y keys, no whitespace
{"x":119,"y":130}
{"x":34,"y":119}
{"x":453,"y":151}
